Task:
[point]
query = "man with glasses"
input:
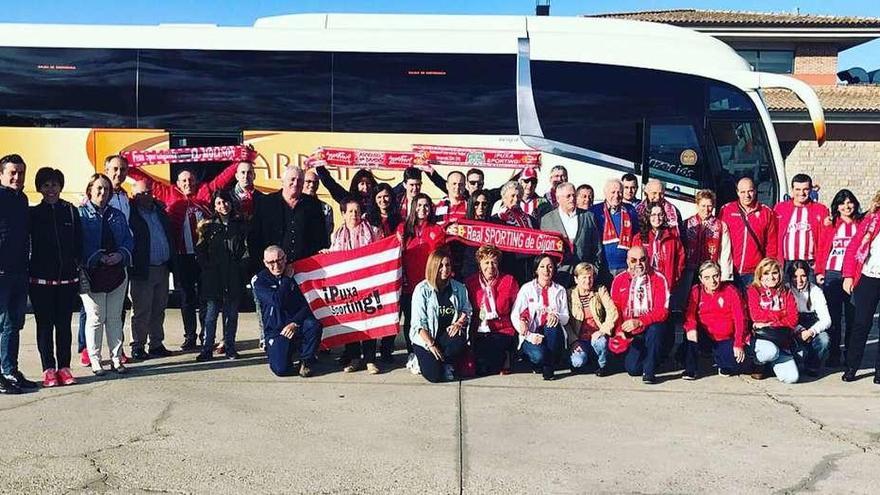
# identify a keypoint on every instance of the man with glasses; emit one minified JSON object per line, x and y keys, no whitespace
{"x":13,"y":271}
{"x":642,"y":297}
{"x":287,"y":319}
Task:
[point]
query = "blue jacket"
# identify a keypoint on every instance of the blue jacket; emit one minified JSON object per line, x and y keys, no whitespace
{"x":281,"y":302}
{"x":91,"y":234}
{"x":614,"y":259}
{"x":13,"y":232}
{"x":426,"y":307}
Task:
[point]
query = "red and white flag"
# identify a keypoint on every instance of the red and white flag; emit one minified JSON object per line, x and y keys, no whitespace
{"x":355,"y":294}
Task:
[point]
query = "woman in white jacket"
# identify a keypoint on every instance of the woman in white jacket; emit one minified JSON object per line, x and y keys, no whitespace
{"x":811,"y":338}
{"x":539,"y":315}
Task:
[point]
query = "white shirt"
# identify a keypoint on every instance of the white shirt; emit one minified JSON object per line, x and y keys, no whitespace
{"x":529,"y":299}
{"x":818,"y":305}
{"x":872,"y":265}
{"x":570,"y":223}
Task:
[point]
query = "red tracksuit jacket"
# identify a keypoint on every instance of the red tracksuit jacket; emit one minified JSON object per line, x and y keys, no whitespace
{"x":722,"y":314}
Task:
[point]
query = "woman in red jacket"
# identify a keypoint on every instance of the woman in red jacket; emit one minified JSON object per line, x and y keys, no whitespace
{"x":715,"y":319}
{"x":420,"y":235}
{"x":774,"y":314}
{"x":861,"y":278}
{"x":492,"y":294}
{"x":662,"y":244}
{"x":835,"y":236}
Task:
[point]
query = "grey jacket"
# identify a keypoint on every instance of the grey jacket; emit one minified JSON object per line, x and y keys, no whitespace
{"x":587,"y":244}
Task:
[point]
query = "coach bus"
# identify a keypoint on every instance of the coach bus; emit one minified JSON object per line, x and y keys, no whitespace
{"x":602,"y":97}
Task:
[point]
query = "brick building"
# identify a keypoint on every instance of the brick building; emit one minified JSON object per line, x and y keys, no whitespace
{"x":806,"y":47}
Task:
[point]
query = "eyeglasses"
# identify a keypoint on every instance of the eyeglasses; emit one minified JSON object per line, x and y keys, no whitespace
{"x":481,"y":203}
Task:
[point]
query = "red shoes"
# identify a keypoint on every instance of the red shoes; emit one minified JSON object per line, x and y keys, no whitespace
{"x":84,"y":358}
{"x":49,"y":378}
{"x":66,"y":377}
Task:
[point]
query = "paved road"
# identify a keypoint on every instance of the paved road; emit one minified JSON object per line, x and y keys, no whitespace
{"x":176,"y":426}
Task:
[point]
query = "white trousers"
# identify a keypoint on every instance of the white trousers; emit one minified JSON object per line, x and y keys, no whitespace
{"x":104,"y":314}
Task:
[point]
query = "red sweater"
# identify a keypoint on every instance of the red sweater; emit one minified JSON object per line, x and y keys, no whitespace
{"x":666,"y":254}
{"x":800,"y":241}
{"x":506,"y":289}
{"x":721,"y":314}
{"x":777,"y":307}
{"x":657,"y":305}
{"x":415,"y":253}
{"x":179,"y":205}
{"x":763,"y":221}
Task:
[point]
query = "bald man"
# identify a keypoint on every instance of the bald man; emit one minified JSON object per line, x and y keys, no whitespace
{"x":655,"y":192}
{"x":618,"y":226}
{"x":753,"y":231}
{"x":642,"y":297}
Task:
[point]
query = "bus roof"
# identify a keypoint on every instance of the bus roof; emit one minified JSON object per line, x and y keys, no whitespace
{"x":575,"y":39}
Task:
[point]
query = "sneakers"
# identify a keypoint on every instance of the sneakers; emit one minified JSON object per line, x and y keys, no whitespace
{"x":50,"y":379}
{"x":372,"y":369}
{"x":689,"y":375}
{"x":189,"y":345}
{"x":649,"y":379}
{"x":66,"y":377}
{"x":412,"y":364}
{"x":97,"y":369}
{"x":849,"y":375}
{"x":139,"y":354}
{"x":352,"y":366}
{"x":262,"y":345}
{"x":18,"y":379}
{"x":8,"y":388}
{"x":159,"y":352}
{"x":204,"y":356}
{"x":725,"y":372}
{"x":305,"y":371}
{"x":84,"y":358}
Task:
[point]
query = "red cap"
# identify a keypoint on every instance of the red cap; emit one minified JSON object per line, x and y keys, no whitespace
{"x":619,"y":344}
{"x":529,"y":173}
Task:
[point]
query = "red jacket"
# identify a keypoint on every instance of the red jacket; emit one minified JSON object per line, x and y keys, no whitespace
{"x":506,"y":290}
{"x":860,"y":247}
{"x":178,"y":204}
{"x":816,"y":215}
{"x":658,"y":309}
{"x":721,"y":314}
{"x":826,"y":243}
{"x":665,"y":255}
{"x":763,"y":221}
{"x":428,"y":238}
{"x":777,"y":307}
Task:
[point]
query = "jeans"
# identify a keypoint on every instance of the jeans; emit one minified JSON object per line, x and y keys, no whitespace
{"x":811,"y":355}
{"x":865,"y":297}
{"x":81,"y":332}
{"x":104,"y":315}
{"x":644,"y":351}
{"x":491,"y":350}
{"x":839,"y":305}
{"x":547,"y":353}
{"x":593,"y":349}
{"x":186,"y":280}
{"x":13,"y":305}
{"x":722,"y":355}
{"x":230,"y":324}
{"x":784,"y":365}
{"x":149,"y":298}
{"x":431,"y":368}
{"x":280,"y":349}
{"x":53,"y":306}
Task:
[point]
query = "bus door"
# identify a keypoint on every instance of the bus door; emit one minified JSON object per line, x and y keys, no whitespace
{"x":673,"y":152}
{"x":205,"y":171}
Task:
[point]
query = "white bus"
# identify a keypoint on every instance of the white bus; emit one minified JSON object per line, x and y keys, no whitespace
{"x":602,"y":97}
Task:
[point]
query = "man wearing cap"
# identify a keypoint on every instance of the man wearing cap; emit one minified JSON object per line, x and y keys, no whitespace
{"x":642,"y":297}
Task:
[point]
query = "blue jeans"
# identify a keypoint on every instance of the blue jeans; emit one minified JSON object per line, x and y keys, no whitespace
{"x":784,"y":365}
{"x":81,"y":332}
{"x":590,"y":350}
{"x":546,"y":354}
{"x":811,"y":355}
{"x":644,"y":351}
{"x":722,"y":354}
{"x":230,"y":325}
{"x":280,"y":349}
{"x":13,"y":305}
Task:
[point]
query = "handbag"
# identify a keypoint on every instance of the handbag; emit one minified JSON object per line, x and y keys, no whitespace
{"x":105,"y":278}
{"x":808,"y":319}
{"x":778,"y":336}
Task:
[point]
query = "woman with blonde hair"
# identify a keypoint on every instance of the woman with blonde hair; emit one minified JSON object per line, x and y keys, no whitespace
{"x":440,"y":315}
{"x":861,"y":278}
{"x":774,"y":314}
{"x":592,"y":315}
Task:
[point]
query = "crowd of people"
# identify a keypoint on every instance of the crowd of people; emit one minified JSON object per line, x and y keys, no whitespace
{"x":760,"y":290}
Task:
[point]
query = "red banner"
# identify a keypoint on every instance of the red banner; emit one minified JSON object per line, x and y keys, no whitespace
{"x":355,"y":293}
{"x":358,"y":158}
{"x":471,"y":157}
{"x":506,"y":238}
{"x":137,"y":158}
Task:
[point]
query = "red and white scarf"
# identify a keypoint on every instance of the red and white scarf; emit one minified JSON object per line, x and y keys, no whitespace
{"x":488,"y":310}
{"x":529,"y":206}
{"x":640,"y":300}
{"x":346,"y":239}
{"x":610,"y":235}
{"x":703,"y":239}
{"x":515,"y":217}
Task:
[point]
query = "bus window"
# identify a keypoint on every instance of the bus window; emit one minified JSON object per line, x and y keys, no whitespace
{"x":234,"y":90}
{"x":742,"y":152}
{"x":424,"y":93}
{"x":68,"y":87}
{"x":675,"y":154}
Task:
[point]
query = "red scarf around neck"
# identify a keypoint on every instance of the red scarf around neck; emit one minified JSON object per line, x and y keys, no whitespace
{"x":610,"y":235}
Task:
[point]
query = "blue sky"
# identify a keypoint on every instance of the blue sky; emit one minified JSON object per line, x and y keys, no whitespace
{"x":243,"y":13}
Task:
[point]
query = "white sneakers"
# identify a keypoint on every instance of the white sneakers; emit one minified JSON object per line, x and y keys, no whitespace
{"x":412,"y":364}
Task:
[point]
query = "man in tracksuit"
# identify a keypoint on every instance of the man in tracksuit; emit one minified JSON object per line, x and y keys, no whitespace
{"x":287,"y":319}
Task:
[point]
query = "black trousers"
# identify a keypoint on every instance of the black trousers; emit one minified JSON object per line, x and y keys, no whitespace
{"x":450,"y":347}
{"x":839,"y":305}
{"x":53,"y":306}
{"x":186,"y":280}
{"x":865,"y":298}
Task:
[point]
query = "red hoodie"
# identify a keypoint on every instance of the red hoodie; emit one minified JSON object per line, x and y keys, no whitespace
{"x":763,"y":221}
{"x":777,"y":307}
{"x":721,"y":314}
{"x":655,"y":303}
{"x":179,"y":205}
{"x":428,"y":238}
{"x":666,"y":254}
{"x":833,"y":247}
{"x":799,"y":240}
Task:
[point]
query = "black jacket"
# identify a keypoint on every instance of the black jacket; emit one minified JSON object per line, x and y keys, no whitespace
{"x":13,"y":232}
{"x":140,"y":231}
{"x":56,"y":241}
{"x":223,"y":259}
{"x":269,"y":227}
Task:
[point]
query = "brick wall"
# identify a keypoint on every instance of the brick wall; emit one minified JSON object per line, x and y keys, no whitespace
{"x":837,"y":165}
{"x":815,"y":58}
